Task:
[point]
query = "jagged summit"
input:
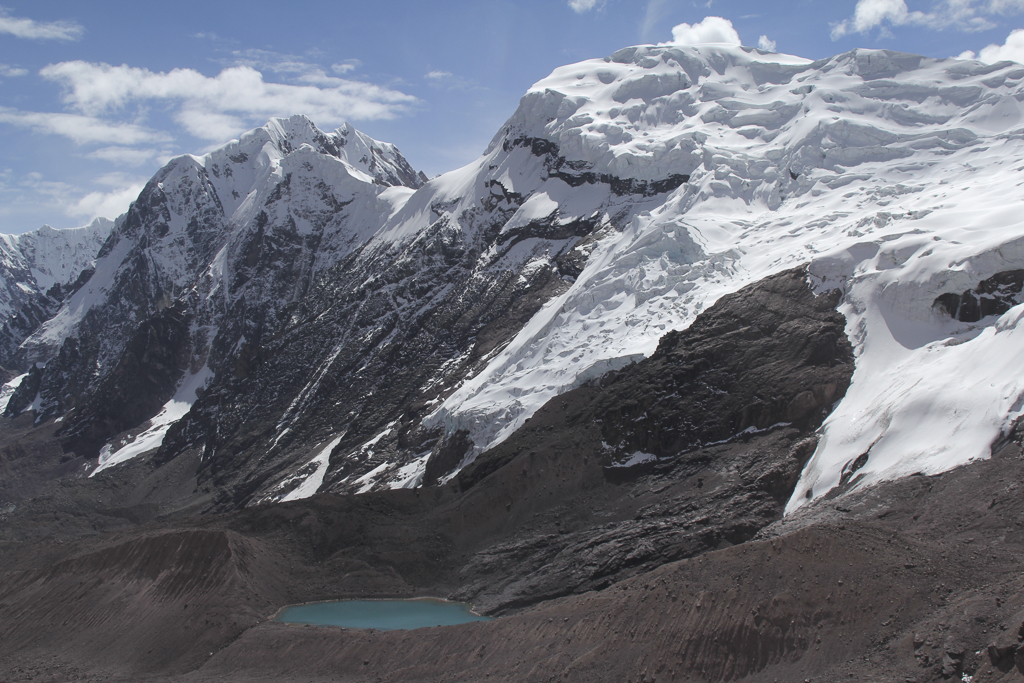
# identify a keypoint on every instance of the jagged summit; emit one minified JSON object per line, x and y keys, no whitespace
{"x":381,"y":162}
{"x":238,"y":166}
{"x":240,"y":231}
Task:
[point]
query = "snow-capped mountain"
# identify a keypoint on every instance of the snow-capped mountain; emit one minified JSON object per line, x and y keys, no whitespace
{"x":38,"y":270}
{"x":200,"y":238}
{"x":894,"y":176}
{"x":305,"y":313}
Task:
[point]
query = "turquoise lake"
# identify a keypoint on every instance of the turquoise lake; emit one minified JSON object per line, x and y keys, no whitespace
{"x":384,"y":615}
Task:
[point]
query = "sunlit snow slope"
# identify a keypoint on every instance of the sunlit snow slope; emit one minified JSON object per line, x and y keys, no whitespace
{"x":896,"y":177}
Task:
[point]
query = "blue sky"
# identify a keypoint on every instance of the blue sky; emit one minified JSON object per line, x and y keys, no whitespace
{"x":95,"y":97}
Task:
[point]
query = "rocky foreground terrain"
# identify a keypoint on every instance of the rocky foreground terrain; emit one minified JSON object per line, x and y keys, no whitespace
{"x":678,"y":568}
{"x":706,"y":370}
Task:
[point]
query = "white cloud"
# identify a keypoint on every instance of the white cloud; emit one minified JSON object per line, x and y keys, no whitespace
{"x":124,"y":156}
{"x":82,"y":129}
{"x":1012,"y":50}
{"x":8,"y":71}
{"x":871,"y":13}
{"x":1005,"y":6}
{"x":226,"y":104}
{"x":581,"y":6}
{"x":710,"y":30}
{"x":346,"y":66}
{"x":963,"y":15}
{"x":210,"y":125}
{"x":22,"y":193}
{"x":767,"y":44}
{"x":439,"y":75}
{"x":107,"y":204}
{"x":39,"y":30}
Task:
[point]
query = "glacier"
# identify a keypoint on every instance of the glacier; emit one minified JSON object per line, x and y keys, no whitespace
{"x":893,"y":176}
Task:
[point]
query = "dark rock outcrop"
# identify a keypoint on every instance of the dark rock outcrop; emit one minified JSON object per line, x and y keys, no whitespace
{"x":700,"y":446}
{"x":770,"y":355}
{"x":993,"y":296}
{"x":575,"y":174}
{"x":144,"y":379}
{"x":25,"y":393}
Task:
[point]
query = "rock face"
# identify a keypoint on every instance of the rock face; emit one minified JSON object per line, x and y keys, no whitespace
{"x":714,"y":429}
{"x":211,"y":260}
{"x":317,"y":311}
{"x":994,"y":296}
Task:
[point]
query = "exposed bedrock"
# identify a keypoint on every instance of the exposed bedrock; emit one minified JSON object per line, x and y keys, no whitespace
{"x":993,"y":296}
{"x":144,"y":379}
{"x":573,"y":173}
{"x":773,"y":354}
{"x":697,"y":447}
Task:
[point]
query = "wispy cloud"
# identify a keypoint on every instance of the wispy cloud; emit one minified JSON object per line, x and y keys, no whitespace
{"x":299,"y":66}
{"x":106,"y":204}
{"x":962,"y":15}
{"x":1005,"y":6}
{"x":655,"y":11}
{"x":21,"y":27}
{"x":446,"y":80}
{"x":82,"y":129}
{"x":275,"y":62}
{"x":8,"y":71}
{"x":1012,"y":50}
{"x":21,"y":193}
{"x":581,"y":6}
{"x":346,"y":66}
{"x":125,"y":156}
{"x":224,"y":105}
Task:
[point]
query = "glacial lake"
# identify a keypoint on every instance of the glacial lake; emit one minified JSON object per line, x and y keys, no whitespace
{"x":383,"y":615}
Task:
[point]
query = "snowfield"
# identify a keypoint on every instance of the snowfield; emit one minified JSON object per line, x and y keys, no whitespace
{"x":896,"y":177}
